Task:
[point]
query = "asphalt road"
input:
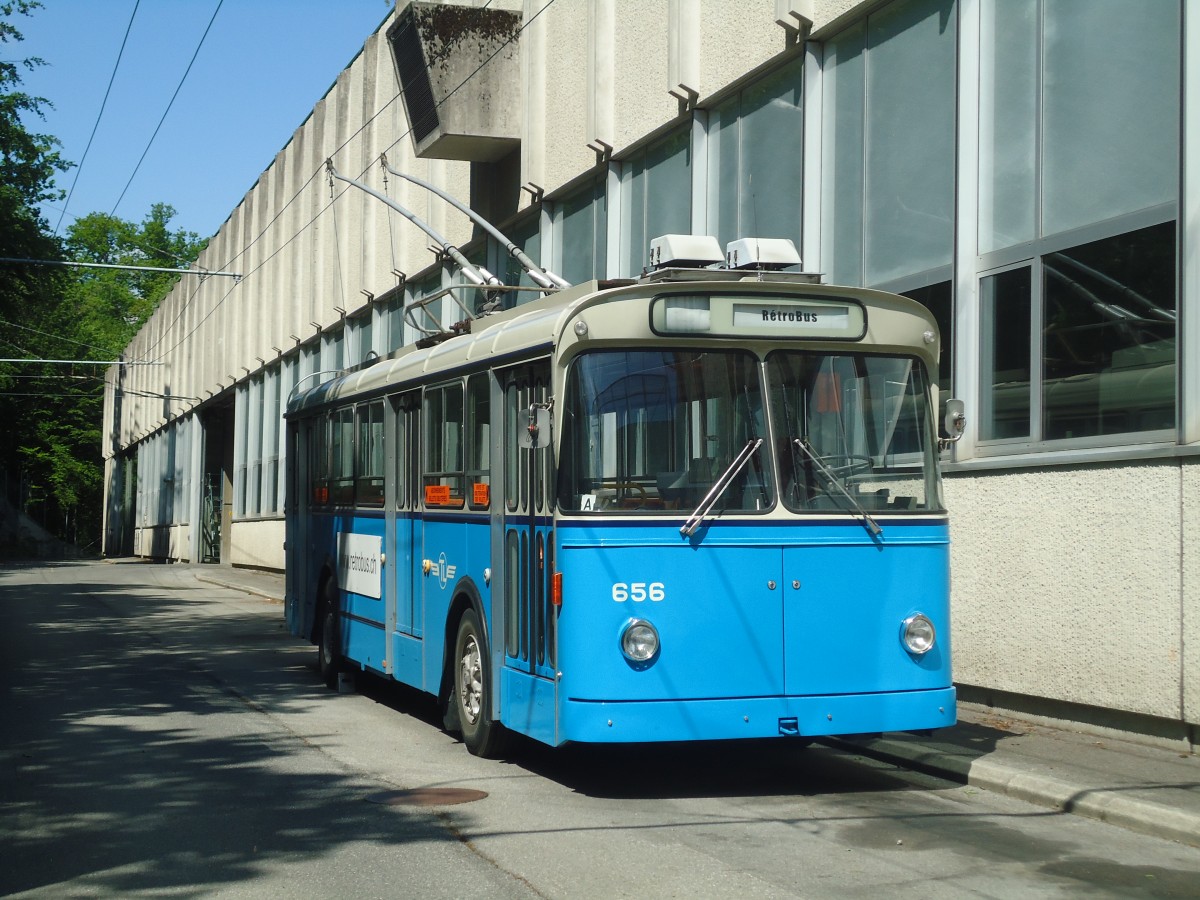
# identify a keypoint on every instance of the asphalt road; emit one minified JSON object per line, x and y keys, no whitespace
{"x":166,"y":737}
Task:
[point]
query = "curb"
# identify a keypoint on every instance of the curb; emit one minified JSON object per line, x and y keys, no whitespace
{"x":237,"y":586}
{"x":1107,"y":805}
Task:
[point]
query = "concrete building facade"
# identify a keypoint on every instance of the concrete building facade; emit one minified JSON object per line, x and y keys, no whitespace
{"x":1028,"y":169}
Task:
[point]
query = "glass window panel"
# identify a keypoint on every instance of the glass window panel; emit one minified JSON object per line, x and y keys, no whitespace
{"x":364,"y":337}
{"x":240,"y":417}
{"x":1008,"y":123}
{"x":403,"y":455}
{"x":444,"y":446}
{"x":723,"y":205}
{"x":336,"y":358}
{"x":395,"y":322}
{"x":653,"y":431}
{"x":342,"y":458}
{"x":479,"y":438}
{"x":909,"y":200}
{"x":512,"y":594}
{"x":1111,"y":109}
{"x":1006,"y":370}
{"x":657,"y":191}
{"x":668,"y":190}
{"x":512,"y":439}
{"x":1109,"y":332}
{"x":318,"y":460}
{"x":771,"y":159}
{"x":939,"y":300}
{"x":370,"y":454}
{"x":583,"y":226}
{"x":527,"y":236}
{"x":842,"y":157}
{"x":633,"y":216}
{"x":855,"y":432}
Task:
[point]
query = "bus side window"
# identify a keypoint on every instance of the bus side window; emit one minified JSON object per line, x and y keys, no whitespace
{"x":479,"y":440}
{"x":512,"y":480}
{"x":443,"y":478}
{"x":341,"y":482}
{"x":318,"y":460}
{"x":369,"y":472}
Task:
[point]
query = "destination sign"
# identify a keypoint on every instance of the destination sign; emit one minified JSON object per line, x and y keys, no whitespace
{"x":791,"y":318}
{"x":767,"y":315}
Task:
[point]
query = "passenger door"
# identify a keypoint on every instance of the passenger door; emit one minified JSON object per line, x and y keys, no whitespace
{"x":526,"y":548}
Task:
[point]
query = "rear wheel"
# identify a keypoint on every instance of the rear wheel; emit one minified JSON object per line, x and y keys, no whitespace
{"x":472,"y":690}
{"x":329,"y":640}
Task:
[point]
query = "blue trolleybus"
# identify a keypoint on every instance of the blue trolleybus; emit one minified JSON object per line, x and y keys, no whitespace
{"x":704,"y":504}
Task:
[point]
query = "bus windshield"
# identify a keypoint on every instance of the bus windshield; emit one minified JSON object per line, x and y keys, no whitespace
{"x":853,"y":432}
{"x":654,"y":430}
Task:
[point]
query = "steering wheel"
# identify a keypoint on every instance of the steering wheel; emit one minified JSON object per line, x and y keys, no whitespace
{"x":843,"y":464}
{"x":624,"y":486}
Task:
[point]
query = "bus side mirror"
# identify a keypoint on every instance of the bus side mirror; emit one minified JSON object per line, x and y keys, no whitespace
{"x":955,"y":423}
{"x":536,"y":433}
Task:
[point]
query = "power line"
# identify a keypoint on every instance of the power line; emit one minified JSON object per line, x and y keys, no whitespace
{"x":55,"y":336}
{"x":245,"y":249}
{"x":84,"y":362}
{"x":168,"y":109}
{"x":203,"y":273}
{"x":99,"y":116}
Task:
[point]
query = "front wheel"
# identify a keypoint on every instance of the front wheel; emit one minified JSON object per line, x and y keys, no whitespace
{"x":472,"y":690}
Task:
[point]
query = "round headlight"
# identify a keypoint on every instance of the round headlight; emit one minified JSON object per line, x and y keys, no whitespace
{"x":639,"y":640}
{"x":918,"y":634}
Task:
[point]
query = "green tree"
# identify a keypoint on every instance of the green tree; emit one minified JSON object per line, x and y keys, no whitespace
{"x":96,"y":315}
{"x":28,"y":294}
{"x":110,"y":305}
{"x":50,"y":460}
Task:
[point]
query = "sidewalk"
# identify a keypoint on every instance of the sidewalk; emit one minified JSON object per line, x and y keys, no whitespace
{"x":1145,"y":787}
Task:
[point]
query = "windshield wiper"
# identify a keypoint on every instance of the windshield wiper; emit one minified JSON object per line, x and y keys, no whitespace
{"x":714,"y":494}
{"x":868,"y":523}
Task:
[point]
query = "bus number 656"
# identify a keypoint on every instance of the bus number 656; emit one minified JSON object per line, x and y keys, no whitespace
{"x":639,"y":591}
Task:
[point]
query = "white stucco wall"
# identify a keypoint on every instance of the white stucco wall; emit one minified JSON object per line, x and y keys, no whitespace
{"x":1189,"y":676}
{"x":1068,"y":584}
{"x":258,"y":543}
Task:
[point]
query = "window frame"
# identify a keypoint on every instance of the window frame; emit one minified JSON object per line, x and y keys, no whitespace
{"x":1030,"y":255}
{"x":434,"y":422}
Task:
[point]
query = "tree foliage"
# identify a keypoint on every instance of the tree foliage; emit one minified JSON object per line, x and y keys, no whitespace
{"x":51,"y":457}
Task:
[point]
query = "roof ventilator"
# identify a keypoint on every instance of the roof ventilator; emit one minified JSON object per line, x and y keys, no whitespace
{"x":764,"y":254}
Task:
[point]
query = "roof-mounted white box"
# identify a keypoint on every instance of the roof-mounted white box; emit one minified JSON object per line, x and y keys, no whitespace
{"x":684,"y":251}
{"x":761,"y":253}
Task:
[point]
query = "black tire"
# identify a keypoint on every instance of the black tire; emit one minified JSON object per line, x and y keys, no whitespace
{"x":472,"y":697}
{"x":329,"y":635}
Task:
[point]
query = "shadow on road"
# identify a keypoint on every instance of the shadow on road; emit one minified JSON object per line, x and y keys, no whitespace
{"x":126,"y":766}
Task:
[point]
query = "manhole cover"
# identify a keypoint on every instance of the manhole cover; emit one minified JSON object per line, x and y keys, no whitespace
{"x":427,"y":797}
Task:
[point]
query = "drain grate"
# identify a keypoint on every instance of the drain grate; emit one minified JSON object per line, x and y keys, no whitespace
{"x":427,"y":797}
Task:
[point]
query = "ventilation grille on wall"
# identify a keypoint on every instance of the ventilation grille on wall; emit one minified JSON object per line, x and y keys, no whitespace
{"x":406,"y":48}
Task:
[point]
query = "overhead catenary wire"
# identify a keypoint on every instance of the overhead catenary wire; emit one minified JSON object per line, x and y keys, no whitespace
{"x":203,"y":273}
{"x":58,"y":337}
{"x":99,"y":116}
{"x":540,"y":275}
{"x":170,"y":103}
{"x":298,"y":193}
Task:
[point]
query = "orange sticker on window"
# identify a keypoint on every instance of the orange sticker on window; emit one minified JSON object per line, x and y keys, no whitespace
{"x":437,"y":494}
{"x":481,"y":493}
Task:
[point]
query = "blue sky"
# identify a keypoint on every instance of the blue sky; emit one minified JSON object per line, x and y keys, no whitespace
{"x":262,"y":67}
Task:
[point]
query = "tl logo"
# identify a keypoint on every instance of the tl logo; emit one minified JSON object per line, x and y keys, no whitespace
{"x":440,"y":569}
